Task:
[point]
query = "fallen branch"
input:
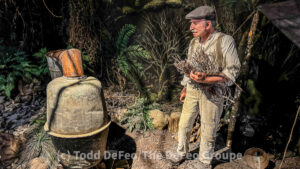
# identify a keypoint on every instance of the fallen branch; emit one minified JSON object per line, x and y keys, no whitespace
{"x":244,"y":23}
{"x":290,"y":138}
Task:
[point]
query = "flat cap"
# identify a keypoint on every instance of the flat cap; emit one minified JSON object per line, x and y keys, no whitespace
{"x":202,"y":12}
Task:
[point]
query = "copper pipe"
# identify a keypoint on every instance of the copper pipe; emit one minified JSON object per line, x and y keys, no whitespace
{"x":71,"y":61}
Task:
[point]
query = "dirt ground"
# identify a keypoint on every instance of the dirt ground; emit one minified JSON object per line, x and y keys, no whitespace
{"x":152,"y":149}
{"x":149,"y":150}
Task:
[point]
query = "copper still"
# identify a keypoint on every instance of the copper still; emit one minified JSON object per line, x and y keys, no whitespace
{"x":77,"y":118}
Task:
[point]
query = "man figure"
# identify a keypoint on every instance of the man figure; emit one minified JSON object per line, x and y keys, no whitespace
{"x":221,"y":48}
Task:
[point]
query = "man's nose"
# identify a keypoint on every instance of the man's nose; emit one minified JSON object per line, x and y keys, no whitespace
{"x":191,"y":27}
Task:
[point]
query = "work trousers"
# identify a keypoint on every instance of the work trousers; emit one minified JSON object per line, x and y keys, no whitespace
{"x":198,"y":101}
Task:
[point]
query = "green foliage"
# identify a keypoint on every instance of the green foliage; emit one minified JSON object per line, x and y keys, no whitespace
{"x":137,"y":116}
{"x":128,"y":60}
{"x":86,"y":63}
{"x":124,"y":36}
{"x":240,"y":6}
{"x":253,"y":100}
{"x":14,"y":66}
{"x":154,"y":4}
{"x":132,"y":6}
{"x":127,"y":10}
{"x":129,"y":56}
{"x":42,"y":62}
{"x":174,"y":2}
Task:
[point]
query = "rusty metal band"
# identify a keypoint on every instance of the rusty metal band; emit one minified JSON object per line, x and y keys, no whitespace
{"x":54,"y":53}
{"x":54,"y":70}
{"x":75,"y":78}
{"x":80,"y":135}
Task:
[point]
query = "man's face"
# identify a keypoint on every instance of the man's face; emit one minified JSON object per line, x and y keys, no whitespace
{"x":198,"y":27}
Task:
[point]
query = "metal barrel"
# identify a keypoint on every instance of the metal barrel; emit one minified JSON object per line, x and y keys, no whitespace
{"x":54,"y":66}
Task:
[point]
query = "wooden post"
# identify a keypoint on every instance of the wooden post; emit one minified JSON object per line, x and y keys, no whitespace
{"x":174,"y":122}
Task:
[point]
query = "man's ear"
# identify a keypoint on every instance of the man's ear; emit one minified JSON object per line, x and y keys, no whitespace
{"x":208,"y":24}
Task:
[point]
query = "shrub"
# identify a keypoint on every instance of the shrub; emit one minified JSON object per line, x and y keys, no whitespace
{"x":14,"y":66}
{"x":42,"y":62}
{"x":137,"y":116}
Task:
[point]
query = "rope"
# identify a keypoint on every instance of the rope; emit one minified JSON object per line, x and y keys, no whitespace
{"x":50,"y":11}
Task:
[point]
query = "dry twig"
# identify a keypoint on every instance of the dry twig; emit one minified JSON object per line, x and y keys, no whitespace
{"x":50,"y":10}
{"x":202,"y":62}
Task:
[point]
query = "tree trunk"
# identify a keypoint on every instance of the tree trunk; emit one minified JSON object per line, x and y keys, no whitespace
{"x":244,"y":70}
{"x":83,"y":30}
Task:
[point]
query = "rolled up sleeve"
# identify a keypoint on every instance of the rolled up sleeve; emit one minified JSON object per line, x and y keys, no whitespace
{"x":185,"y":81}
{"x":231,"y":60}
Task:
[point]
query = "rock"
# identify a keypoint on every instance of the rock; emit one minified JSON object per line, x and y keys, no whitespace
{"x":159,"y":119}
{"x":118,"y":114}
{"x":9,"y":148}
{"x":173,"y":122}
{"x":39,"y":163}
{"x":2,"y":99}
{"x":59,"y":166}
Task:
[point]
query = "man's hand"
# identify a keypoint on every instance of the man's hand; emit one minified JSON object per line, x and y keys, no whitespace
{"x":182,"y":95}
{"x":198,"y":76}
{"x":204,"y":78}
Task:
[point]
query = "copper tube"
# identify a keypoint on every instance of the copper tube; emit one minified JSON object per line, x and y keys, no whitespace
{"x":71,"y":61}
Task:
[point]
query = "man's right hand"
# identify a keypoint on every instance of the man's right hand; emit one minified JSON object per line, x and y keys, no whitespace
{"x":183,"y":94}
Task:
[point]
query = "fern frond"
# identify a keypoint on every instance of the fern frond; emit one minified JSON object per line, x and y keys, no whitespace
{"x":123,"y":39}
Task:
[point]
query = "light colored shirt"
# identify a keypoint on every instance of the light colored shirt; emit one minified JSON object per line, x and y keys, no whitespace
{"x":231,"y":62}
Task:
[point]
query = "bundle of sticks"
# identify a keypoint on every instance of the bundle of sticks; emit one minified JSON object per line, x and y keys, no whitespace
{"x":201,"y":62}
